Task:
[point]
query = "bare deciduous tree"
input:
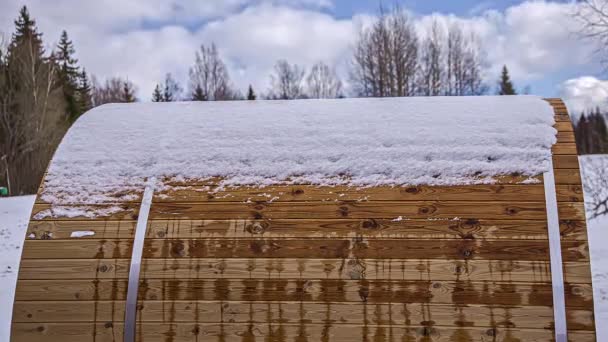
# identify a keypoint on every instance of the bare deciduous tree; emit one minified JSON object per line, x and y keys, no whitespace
{"x":209,"y":79}
{"x":432,"y":61}
{"x":463,"y":74}
{"x":595,"y":183}
{"x":323,"y":82}
{"x":385,"y":57}
{"x":593,"y":15}
{"x":32,"y":115}
{"x":113,"y":90}
{"x":286,"y":82}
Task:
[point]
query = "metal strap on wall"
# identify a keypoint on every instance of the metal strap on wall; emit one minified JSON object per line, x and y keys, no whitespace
{"x":555,"y":253}
{"x":136,"y":255}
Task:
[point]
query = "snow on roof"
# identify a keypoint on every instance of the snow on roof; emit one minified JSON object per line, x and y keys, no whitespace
{"x":360,"y":142}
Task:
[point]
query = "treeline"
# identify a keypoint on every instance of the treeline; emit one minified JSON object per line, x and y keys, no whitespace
{"x":43,"y":92}
{"x":591,"y":133}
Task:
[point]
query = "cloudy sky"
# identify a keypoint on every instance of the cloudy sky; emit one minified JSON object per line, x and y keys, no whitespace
{"x":144,"y":39}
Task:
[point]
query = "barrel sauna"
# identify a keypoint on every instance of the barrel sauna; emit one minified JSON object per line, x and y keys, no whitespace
{"x":300,"y":261}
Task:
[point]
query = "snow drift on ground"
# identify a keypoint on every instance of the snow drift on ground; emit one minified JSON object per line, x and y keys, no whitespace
{"x":441,"y":140}
{"x":593,"y":174}
{"x":598,"y":245}
{"x":14,"y":217}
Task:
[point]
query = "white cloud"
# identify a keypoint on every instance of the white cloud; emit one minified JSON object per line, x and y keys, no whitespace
{"x":253,"y":40}
{"x":584,"y":93}
{"x":534,"y":38}
{"x":143,"y":39}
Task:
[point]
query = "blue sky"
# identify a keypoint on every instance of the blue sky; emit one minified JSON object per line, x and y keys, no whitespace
{"x":346,"y":8}
{"x":144,"y":39}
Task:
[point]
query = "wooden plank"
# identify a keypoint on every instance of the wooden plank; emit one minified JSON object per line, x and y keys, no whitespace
{"x":48,"y":212}
{"x":295,"y":193}
{"x":563,"y":126}
{"x":565,"y":162}
{"x":291,"y":193}
{"x":566,"y":137}
{"x":258,"y":268}
{"x":578,"y":296}
{"x":214,"y":181}
{"x":568,"y":177}
{"x":295,"y":313}
{"x":571,"y":211}
{"x":303,"y":332}
{"x":387,"y":210}
{"x":345,"y":209}
{"x":569,"y":193}
{"x":302,"y":228}
{"x":564,"y":148}
{"x":531,"y":250}
{"x":507,"y":193}
{"x":357,"y":210}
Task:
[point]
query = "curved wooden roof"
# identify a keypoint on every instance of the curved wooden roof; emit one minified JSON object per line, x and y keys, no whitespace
{"x":316,"y":263}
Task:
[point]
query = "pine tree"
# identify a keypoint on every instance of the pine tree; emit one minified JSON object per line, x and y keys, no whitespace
{"x":69,"y":76}
{"x":128,"y":92}
{"x":198,"y":94}
{"x":251,"y":94}
{"x":171,"y":89}
{"x":26,"y":31}
{"x":505,"y":86}
{"x":591,"y":133}
{"x":85,"y":92}
{"x":157,"y":95}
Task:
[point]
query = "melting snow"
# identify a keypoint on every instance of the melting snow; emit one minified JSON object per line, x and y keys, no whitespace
{"x":361,"y":142}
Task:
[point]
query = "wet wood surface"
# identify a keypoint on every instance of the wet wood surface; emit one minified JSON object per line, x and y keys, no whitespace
{"x":308,"y":263}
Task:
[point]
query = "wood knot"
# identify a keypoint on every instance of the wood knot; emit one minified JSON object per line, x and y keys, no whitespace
{"x":196,"y":330}
{"x":161,"y":234}
{"x":40,"y":328}
{"x":263,"y":247}
{"x":467,"y":253}
{"x":491,"y":332}
{"x":256,"y":227}
{"x":363,"y":294}
{"x":108,"y":325}
{"x":343,"y":211}
{"x":426,"y":210}
{"x":458,"y":269}
{"x":436,"y":285}
{"x":369,"y":224}
{"x":103,"y":268}
{"x":427,"y":331}
{"x":298,"y":192}
{"x":512,"y":211}
{"x":412,"y":190}
{"x":178,"y":249}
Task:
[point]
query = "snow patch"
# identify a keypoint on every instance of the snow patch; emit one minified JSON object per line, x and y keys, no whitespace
{"x":80,"y":234}
{"x":111,"y":150}
{"x":80,"y":211}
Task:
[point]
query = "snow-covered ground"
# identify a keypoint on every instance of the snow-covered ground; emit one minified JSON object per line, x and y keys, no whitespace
{"x":15,"y":211}
{"x":14,"y":217}
{"x":598,"y":241}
